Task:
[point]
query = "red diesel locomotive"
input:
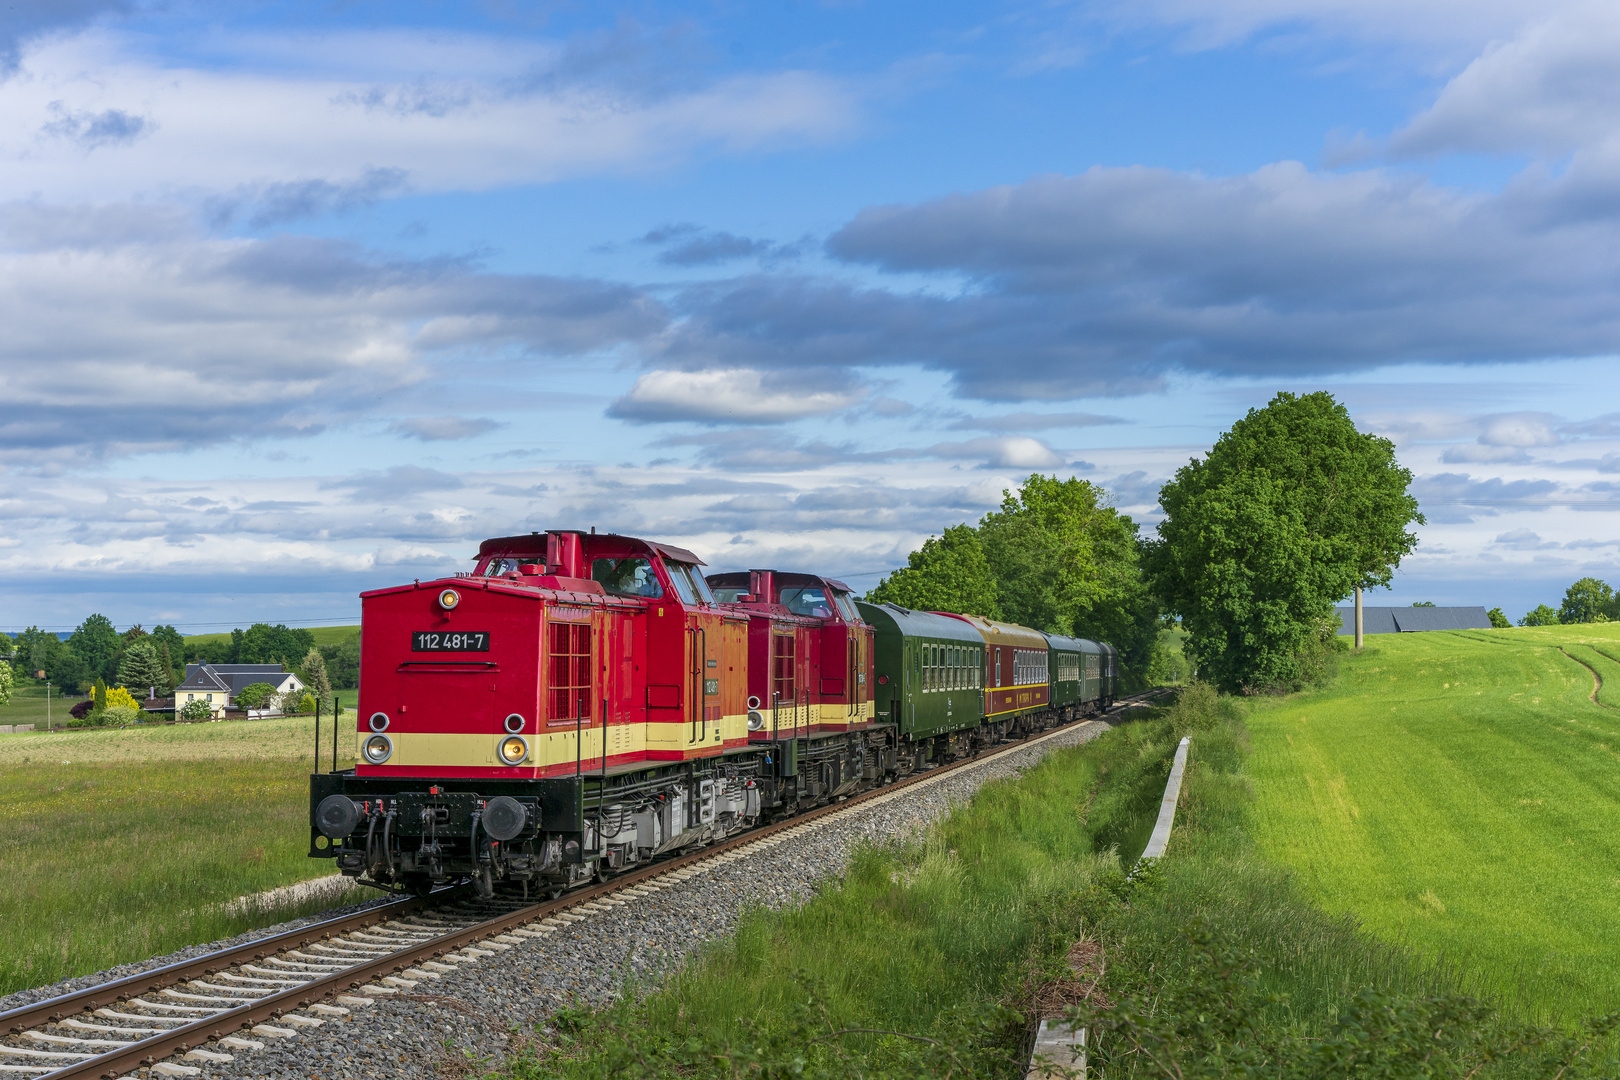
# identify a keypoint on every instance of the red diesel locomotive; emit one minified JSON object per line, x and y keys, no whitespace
{"x":579,"y":704}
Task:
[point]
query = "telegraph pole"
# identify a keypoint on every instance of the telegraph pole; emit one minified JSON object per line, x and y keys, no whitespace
{"x":1358,"y":616}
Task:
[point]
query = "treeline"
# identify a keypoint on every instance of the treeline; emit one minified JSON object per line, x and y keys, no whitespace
{"x":139,"y":658}
{"x":1057,"y":556}
{"x":1589,"y":600}
{"x":1287,"y":514}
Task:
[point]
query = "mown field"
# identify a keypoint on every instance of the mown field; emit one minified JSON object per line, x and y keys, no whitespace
{"x":119,"y":845}
{"x":324,"y":635}
{"x":1460,"y":793}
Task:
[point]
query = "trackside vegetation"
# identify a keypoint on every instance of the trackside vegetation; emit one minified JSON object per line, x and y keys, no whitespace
{"x":926,"y":960}
{"x":117,"y":846}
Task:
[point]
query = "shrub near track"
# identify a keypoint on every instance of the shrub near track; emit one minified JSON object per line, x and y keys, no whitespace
{"x":1461,"y":793}
{"x":116,"y":846}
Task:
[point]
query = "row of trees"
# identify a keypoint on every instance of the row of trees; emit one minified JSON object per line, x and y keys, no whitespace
{"x":1287,"y":514}
{"x":1589,"y":600}
{"x":1056,"y":556}
{"x":139,"y":659}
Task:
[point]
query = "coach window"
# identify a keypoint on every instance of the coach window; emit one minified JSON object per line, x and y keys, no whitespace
{"x":627,"y":577}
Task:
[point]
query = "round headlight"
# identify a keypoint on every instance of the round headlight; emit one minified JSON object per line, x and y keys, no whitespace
{"x":379,"y":721}
{"x":378,"y":748}
{"x":756,"y":719}
{"x":514,"y":723}
{"x":449,"y":598}
{"x":514,"y":749}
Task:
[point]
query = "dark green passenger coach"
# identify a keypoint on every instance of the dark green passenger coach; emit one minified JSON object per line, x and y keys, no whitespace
{"x":933,"y":670}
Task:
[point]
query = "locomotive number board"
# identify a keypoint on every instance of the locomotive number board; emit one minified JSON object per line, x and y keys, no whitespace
{"x":448,"y":641}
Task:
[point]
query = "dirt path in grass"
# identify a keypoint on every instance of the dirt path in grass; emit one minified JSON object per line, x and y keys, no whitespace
{"x":1597,"y":680}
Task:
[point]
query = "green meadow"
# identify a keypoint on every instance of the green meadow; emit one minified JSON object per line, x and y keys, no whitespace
{"x":117,"y":845}
{"x":324,"y":635}
{"x":1459,"y":793}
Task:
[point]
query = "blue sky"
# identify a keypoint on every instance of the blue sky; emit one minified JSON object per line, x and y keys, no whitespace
{"x":298,"y":300}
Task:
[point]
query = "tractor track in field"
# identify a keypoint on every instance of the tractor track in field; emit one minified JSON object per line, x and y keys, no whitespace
{"x":1597,"y":680}
{"x":197,"y":1015}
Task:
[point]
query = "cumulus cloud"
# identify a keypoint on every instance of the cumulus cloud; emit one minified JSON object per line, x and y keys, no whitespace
{"x":1011,"y":451}
{"x":188,"y":340}
{"x":733,"y":396}
{"x":441,"y":428}
{"x":1552,"y":88}
{"x":448,"y":112}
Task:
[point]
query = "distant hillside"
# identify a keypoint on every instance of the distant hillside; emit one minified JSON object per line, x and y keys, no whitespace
{"x":324,"y":635}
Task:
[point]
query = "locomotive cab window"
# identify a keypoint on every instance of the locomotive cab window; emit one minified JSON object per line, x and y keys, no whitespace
{"x":845,"y":608}
{"x":627,"y":577}
{"x":811,"y":601}
{"x":682,"y":582}
{"x":501,"y":567}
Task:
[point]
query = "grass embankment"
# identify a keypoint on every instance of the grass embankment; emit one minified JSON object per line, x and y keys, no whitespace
{"x":1218,"y":961}
{"x":1460,"y":793}
{"x":324,"y":635}
{"x":120,"y":845}
{"x":927,"y":940}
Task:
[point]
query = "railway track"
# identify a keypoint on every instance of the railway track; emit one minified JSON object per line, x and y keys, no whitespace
{"x":292,"y":983}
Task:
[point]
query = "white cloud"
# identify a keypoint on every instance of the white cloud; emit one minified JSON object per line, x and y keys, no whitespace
{"x":1012,"y":451}
{"x":92,"y":119}
{"x":732,"y":396}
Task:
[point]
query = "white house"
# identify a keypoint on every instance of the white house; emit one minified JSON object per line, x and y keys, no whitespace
{"x":218,"y":684}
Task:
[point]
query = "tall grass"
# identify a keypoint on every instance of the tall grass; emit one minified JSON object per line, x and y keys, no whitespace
{"x":118,"y":846}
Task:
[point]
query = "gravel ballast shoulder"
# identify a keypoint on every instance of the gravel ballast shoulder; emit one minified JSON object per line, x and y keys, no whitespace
{"x":467,"y":1016}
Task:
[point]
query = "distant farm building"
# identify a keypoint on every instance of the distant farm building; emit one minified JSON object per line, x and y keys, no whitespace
{"x":1408,"y":620}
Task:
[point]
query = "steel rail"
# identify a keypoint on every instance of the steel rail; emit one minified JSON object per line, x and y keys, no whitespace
{"x":57,"y":1008}
{"x":179,"y":1040}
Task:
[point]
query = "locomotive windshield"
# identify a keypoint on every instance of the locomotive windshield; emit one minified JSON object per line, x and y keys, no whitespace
{"x":812,"y":601}
{"x":499,"y":567}
{"x":689,"y":583}
{"x":627,"y":577}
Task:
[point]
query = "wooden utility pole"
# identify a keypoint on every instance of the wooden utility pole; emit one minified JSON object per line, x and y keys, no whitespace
{"x":1358,"y":616}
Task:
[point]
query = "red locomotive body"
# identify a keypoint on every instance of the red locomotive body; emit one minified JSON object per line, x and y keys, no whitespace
{"x":809,"y":654}
{"x":580,"y":703}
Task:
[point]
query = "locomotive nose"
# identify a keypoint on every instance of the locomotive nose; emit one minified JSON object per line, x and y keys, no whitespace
{"x":336,"y":816}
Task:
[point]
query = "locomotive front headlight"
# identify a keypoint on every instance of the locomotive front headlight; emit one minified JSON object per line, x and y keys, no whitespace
{"x":378,"y":749}
{"x":448,"y":599}
{"x":514,"y":749}
{"x":756,"y":720}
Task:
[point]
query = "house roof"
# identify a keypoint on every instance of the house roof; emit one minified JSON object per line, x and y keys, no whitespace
{"x":233,"y":678}
{"x":1406,"y":620}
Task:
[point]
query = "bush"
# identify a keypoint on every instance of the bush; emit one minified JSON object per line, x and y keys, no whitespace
{"x":120,"y":716}
{"x":82,"y":709}
{"x":119,"y":696}
{"x":196,"y":710}
{"x":254,"y":695}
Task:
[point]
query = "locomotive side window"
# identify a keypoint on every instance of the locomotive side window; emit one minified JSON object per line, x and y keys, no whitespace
{"x":844,"y":606}
{"x":782,"y":668}
{"x":627,"y":577}
{"x":569,"y":695}
{"x":701,"y":584}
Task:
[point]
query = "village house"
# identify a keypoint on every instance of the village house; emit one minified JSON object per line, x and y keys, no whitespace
{"x":218,"y":684}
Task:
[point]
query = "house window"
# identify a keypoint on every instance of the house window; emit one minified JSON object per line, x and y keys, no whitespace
{"x":191,"y":697}
{"x":569,"y":696}
{"x":782,"y":681}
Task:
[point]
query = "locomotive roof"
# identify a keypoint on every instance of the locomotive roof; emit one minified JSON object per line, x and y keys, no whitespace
{"x":911,"y":623}
{"x":783,"y":577}
{"x":535,"y":544}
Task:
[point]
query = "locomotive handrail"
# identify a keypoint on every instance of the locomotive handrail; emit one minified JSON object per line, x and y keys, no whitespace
{"x":447,"y":663}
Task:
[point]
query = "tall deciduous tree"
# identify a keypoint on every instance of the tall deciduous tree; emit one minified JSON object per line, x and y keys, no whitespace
{"x":1055,"y":556}
{"x":1540,"y":615}
{"x":1287,"y":514}
{"x":948,"y":573}
{"x":97,"y":643}
{"x":1588,"y":600}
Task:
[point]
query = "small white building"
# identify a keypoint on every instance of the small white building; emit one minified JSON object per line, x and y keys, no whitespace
{"x":218,"y":684}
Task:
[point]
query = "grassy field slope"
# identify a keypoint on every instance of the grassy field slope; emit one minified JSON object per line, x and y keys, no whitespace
{"x":1461,"y":792}
{"x":119,"y":845}
{"x":324,"y":635}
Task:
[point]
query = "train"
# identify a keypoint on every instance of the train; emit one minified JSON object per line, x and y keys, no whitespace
{"x":578,"y":705}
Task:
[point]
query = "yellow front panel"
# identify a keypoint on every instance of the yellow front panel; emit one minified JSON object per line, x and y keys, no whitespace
{"x":419,"y":749}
